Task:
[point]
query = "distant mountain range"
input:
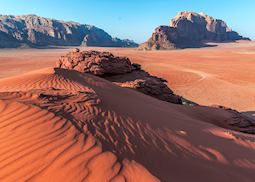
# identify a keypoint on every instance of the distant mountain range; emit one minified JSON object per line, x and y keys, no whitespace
{"x":190,"y":29}
{"x":36,"y":31}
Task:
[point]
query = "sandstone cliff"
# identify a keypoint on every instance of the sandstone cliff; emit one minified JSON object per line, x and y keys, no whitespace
{"x":190,"y":29}
{"x":33,"y":31}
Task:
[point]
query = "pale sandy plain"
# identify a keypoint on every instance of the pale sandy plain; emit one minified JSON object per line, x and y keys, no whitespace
{"x":59,"y":125}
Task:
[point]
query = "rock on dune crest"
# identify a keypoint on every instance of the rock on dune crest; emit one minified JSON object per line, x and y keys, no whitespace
{"x":97,"y":63}
{"x":120,"y":71}
{"x":190,"y":29}
{"x":58,"y":122}
{"x":34,"y":31}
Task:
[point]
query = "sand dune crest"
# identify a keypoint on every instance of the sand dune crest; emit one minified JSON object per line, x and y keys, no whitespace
{"x":68,"y":126}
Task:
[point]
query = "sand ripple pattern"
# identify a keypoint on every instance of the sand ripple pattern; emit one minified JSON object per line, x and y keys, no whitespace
{"x":68,"y":126}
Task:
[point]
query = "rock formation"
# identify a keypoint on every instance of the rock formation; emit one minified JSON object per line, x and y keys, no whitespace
{"x":240,"y":122}
{"x":33,"y":31}
{"x":145,"y":83}
{"x":190,"y":29}
{"x":120,"y":71}
{"x":97,"y":63}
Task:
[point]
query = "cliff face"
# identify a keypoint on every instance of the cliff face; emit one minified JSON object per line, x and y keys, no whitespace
{"x":190,"y":29}
{"x":32,"y":30}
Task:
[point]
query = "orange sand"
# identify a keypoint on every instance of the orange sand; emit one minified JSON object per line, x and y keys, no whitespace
{"x":93,"y":130}
{"x":222,"y":75}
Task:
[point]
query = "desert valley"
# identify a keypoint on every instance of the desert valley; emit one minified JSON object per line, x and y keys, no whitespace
{"x":221,"y":75}
{"x":180,"y":107}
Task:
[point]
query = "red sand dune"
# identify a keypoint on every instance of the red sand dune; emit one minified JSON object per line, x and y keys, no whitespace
{"x":222,"y":75}
{"x":66,"y":126}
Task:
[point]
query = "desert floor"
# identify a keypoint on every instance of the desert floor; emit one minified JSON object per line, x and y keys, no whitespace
{"x":222,"y":75}
{"x":62,"y":125}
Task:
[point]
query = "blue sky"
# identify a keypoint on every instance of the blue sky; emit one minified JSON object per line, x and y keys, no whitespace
{"x":135,"y":19}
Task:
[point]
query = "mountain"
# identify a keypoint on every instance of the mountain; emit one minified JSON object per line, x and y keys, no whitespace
{"x":36,"y":31}
{"x":190,"y":29}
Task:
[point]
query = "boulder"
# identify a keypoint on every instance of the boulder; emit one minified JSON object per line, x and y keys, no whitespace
{"x":97,"y":63}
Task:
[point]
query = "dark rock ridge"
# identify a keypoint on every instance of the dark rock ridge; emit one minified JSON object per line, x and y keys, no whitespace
{"x":240,"y":122}
{"x":190,"y":29}
{"x":120,"y":71}
{"x":34,"y":31}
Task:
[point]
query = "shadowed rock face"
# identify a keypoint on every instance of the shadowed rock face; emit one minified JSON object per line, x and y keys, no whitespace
{"x":32,"y":30}
{"x":143,"y":82}
{"x":243,"y":122}
{"x":120,"y":71}
{"x":190,"y":29}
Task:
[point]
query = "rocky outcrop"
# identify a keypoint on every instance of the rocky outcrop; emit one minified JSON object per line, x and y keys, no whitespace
{"x":145,"y":83}
{"x":33,"y":31}
{"x":190,"y":29}
{"x":97,"y":63}
{"x":240,"y":121}
{"x":120,"y":71}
